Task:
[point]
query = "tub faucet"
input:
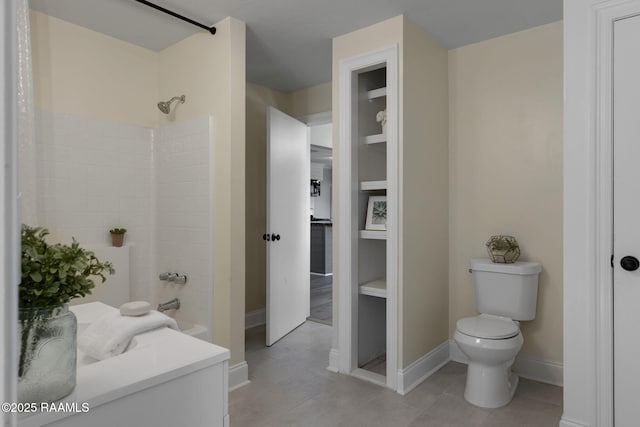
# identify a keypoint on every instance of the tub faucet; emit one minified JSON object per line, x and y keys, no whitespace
{"x":169,"y":305}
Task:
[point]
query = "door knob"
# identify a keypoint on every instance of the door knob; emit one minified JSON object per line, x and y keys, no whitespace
{"x":275,"y":237}
{"x":266,"y":237}
{"x":630,"y":263}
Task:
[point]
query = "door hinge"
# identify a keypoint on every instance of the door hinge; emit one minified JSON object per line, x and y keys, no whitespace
{"x":611,"y":261}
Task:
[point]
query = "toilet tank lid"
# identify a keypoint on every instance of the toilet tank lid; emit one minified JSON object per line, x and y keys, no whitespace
{"x":518,"y":267}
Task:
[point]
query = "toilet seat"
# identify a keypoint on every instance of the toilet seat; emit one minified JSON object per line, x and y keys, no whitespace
{"x":488,"y":327}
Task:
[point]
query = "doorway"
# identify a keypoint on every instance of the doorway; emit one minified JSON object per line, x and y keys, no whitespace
{"x":321,"y":251}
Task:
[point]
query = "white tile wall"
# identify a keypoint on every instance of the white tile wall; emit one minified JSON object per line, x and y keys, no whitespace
{"x":183,"y":213}
{"x":94,"y":175}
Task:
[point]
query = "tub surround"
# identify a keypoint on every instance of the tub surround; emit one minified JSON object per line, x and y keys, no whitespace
{"x":121,"y":390}
{"x":83,"y":73}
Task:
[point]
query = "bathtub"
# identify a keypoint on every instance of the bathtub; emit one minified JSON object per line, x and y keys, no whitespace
{"x":165,"y":378}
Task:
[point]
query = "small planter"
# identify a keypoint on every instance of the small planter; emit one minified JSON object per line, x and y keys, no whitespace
{"x":503,"y":249}
{"x":47,"y":364}
{"x":117,"y":237}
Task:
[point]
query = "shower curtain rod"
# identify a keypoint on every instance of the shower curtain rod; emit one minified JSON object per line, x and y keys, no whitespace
{"x":212,"y":30}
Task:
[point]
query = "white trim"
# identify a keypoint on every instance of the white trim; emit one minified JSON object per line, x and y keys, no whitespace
{"x":564,"y":422}
{"x":542,"y":370}
{"x":588,"y":305}
{"x":334,"y":361}
{"x":414,"y":374}
{"x":369,"y":376}
{"x":238,"y":375}
{"x":347,"y":213}
{"x":321,"y":274}
{"x":255,"y":318}
{"x":316,"y":119}
{"x":9,"y":219}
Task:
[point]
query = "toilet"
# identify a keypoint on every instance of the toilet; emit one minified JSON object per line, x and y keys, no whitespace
{"x":505,"y":294}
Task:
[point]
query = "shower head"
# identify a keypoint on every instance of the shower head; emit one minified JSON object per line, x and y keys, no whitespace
{"x":165,"y":107}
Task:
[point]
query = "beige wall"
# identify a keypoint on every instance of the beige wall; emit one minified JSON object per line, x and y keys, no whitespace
{"x":311,"y":100}
{"x":506,"y":168}
{"x":214,"y":85}
{"x":424,"y":196}
{"x":81,"y":72}
{"x":237,"y":89}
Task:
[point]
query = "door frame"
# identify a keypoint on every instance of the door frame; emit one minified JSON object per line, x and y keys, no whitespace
{"x":588,"y":205}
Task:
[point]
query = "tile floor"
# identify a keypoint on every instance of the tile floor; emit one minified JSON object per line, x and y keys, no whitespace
{"x":290,"y":386}
{"x":321,"y":299}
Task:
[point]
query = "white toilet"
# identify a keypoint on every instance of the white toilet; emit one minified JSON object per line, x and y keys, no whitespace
{"x":505,"y":294}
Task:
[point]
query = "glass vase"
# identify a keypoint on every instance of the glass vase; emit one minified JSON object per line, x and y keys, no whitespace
{"x":47,"y":361}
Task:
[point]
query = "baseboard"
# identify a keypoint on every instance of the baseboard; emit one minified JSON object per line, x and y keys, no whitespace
{"x":238,"y":375}
{"x":414,"y":374}
{"x":456,"y":354}
{"x":564,"y":422}
{"x":545,"y":371}
{"x":255,"y":318}
{"x":334,"y":361}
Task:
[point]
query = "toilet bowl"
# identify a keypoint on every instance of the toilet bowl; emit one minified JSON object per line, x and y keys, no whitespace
{"x":491,"y":352}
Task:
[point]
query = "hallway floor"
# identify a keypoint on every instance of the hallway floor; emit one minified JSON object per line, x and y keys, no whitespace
{"x":290,"y":386}
{"x":321,"y":299}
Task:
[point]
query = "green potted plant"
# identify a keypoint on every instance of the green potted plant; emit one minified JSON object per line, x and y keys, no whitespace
{"x":52,"y":275}
{"x":117,"y":236}
{"x":503,"y":249}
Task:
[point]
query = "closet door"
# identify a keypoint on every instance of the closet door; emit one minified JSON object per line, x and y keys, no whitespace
{"x":626,"y":267}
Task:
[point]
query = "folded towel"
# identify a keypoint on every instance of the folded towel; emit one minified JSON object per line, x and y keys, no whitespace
{"x":110,"y":334}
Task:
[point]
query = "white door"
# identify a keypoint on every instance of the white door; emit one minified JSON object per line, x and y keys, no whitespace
{"x":288,"y":224}
{"x":626,"y":217}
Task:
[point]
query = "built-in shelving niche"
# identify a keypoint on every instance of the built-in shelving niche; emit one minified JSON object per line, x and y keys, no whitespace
{"x":368,"y":261}
{"x":372,"y":250}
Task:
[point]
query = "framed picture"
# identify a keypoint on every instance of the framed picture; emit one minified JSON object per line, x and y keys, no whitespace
{"x":376,"y":213}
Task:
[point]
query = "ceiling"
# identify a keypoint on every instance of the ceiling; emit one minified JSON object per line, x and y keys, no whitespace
{"x":289,"y":41}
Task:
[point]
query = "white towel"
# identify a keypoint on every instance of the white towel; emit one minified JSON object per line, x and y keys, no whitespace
{"x":110,"y":334}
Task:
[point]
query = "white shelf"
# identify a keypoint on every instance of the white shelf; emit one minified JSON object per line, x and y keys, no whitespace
{"x":375,"y":288}
{"x":377,"y":93}
{"x":373,"y":234}
{"x":373,"y":185}
{"x":375,"y":139}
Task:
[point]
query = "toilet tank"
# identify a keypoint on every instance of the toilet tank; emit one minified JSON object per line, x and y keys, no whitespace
{"x":509,"y":290}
